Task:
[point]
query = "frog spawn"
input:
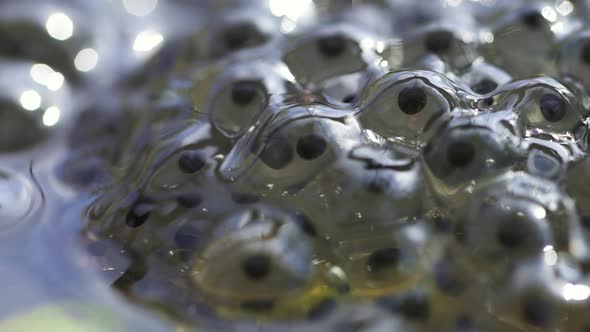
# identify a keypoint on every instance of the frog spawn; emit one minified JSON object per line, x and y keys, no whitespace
{"x":315,"y":188}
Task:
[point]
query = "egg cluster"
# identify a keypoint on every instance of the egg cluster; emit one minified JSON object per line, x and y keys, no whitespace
{"x":366,"y":166}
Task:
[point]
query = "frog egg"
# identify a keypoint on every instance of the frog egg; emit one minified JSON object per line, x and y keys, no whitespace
{"x":413,"y":305}
{"x":407,"y":106}
{"x":542,"y":105}
{"x":573,"y":59}
{"x":235,"y":30}
{"x":291,"y":148}
{"x":511,"y":227}
{"x":532,"y":299}
{"x":410,"y":16}
{"x":161,"y":236}
{"x":331,"y":52}
{"x":384,"y":259}
{"x":524,"y":214}
{"x":356,"y":193}
{"x":449,"y":44}
{"x":422,"y":309}
{"x":466,"y":152}
{"x":256,"y":261}
{"x":243,"y":92}
{"x":522,"y":43}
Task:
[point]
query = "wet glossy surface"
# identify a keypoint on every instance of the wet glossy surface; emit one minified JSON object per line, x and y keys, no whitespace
{"x":298,"y":165}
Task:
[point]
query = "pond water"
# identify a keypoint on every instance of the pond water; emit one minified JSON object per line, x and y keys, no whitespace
{"x":290,"y":165}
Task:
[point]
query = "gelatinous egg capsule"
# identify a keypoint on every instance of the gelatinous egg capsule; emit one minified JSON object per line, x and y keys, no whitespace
{"x":356,"y":193}
{"x":258,"y":261}
{"x":466,"y":152}
{"x":291,"y":148}
{"x":383,"y":259}
{"x":407,"y":106}
{"x":542,"y":105}
{"x":450,"y":44}
{"x":531,"y":298}
{"x":415,"y":15}
{"x":332,"y":51}
{"x":234,"y":30}
{"x":187,"y":168}
{"x":524,"y":38}
{"x":175,"y":224}
{"x":243,"y":92}
{"x":518,"y":215}
{"x":494,"y":228}
{"x":573,"y":57}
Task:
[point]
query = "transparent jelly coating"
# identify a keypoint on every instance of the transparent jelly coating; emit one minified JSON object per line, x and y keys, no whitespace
{"x":242,"y":94}
{"x":543,"y":104}
{"x":255,"y":257}
{"x":407,"y":105}
{"x":336,"y":50}
{"x":464,"y":153}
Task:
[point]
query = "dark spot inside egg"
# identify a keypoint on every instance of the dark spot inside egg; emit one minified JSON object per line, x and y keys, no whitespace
{"x":332,"y":46}
{"x":257,"y":266}
{"x":460,"y":154}
{"x":413,"y":305}
{"x":484,"y":86}
{"x":349,"y":99}
{"x":139,"y":213}
{"x":277,"y":153}
{"x":243,"y":93}
{"x":383,"y":259}
{"x":241,"y":35}
{"x":533,"y":19}
{"x":412,"y":100}
{"x":190,"y":162}
{"x":311,"y":146}
{"x":439,"y":42}
{"x":553,"y":107}
{"x":513,"y":233}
